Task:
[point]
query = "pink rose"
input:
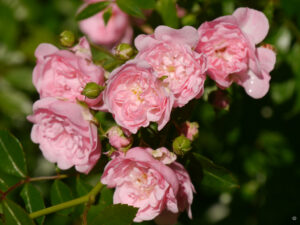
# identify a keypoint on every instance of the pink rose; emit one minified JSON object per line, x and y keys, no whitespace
{"x":142,"y":182}
{"x":184,"y":196}
{"x":117,"y":30}
{"x":65,"y":134}
{"x":118,"y":139}
{"x":229,"y":44}
{"x":63,"y":74}
{"x":170,"y":53}
{"x":136,"y":97}
{"x":190,"y":130}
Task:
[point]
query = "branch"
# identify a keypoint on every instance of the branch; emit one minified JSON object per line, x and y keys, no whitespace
{"x":90,"y":198}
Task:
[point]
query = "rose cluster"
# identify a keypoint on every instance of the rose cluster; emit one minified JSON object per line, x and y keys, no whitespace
{"x":168,"y":72}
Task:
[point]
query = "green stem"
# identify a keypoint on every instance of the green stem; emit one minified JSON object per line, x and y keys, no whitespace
{"x":90,"y":197}
{"x":58,"y":177}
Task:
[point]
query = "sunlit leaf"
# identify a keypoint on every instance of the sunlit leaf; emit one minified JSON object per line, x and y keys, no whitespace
{"x":33,"y":200}
{"x":7,"y":181}
{"x":91,"y":10}
{"x":14,"y":214}
{"x":106,"y":199}
{"x":106,"y":15}
{"x":167,"y":9}
{"x":104,"y":58}
{"x":60,"y":193}
{"x":12,"y":155}
{"x":130,"y":7}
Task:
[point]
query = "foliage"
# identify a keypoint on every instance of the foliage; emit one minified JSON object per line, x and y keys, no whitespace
{"x":257,"y":140}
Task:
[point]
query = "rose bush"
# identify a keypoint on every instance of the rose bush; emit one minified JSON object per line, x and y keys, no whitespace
{"x":65,"y":134}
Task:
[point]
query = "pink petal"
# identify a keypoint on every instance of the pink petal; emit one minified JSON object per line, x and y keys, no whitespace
{"x":267,"y":58}
{"x":255,"y":86}
{"x":44,"y":50}
{"x":143,"y":41}
{"x":186,"y":35}
{"x":254,"y":23}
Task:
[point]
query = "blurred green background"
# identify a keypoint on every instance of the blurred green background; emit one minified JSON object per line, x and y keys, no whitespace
{"x":258,"y":140}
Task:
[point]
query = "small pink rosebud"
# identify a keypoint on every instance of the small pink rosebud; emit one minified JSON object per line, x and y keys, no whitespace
{"x":117,"y":138}
{"x":164,"y":155}
{"x":190,"y":130}
{"x":219,"y":99}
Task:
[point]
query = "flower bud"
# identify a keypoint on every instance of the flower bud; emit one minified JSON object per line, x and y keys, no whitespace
{"x":181,"y":145}
{"x":190,"y":130}
{"x":164,"y":155}
{"x":117,"y":138}
{"x":124,"y":51}
{"x":67,"y":38}
{"x":219,"y":99}
{"x":92,"y":90}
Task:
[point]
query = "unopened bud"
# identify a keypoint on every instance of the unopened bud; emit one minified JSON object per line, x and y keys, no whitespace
{"x":190,"y":130}
{"x":219,"y":99}
{"x":124,"y":51}
{"x":118,"y":139}
{"x":181,"y":145}
{"x":92,"y":90}
{"x":67,"y":38}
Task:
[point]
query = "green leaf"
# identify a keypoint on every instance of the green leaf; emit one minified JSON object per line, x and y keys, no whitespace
{"x":167,"y":10}
{"x":60,"y":193}
{"x":91,"y":10}
{"x":116,"y":215}
{"x":145,"y":4}
{"x":14,"y":214}
{"x":7,"y":181}
{"x":104,"y":58}
{"x":130,"y":7}
{"x":106,"y":199}
{"x":12,"y":155}
{"x":214,"y":176}
{"x":82,"y":188}
{"x":106,"y":15}
{"x":33,"y":200}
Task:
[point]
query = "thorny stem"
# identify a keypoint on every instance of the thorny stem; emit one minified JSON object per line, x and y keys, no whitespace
{"x":88,"y":198}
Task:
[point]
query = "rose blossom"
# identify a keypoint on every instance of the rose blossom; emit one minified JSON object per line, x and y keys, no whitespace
{"x":229,"y":44}
{"x":64,"y":74}
{"x":65,"y":134}
{"x":169,"y":52}
{"x":142,"y":182}
{"x":136,"y":97}
{"x":117,"y":30}
{"x":184,"y":196}
{"x":118,"y":139}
